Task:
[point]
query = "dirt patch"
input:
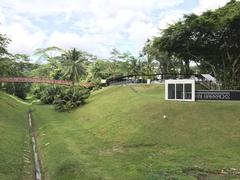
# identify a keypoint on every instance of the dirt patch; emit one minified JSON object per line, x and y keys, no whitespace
{"x":11,"y":105}
{"x":204,"y":174}
{"x":133,"y":89}
{"x":138,"y":145}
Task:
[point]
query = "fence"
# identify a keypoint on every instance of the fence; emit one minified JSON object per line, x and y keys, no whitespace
{"x":41,"y":80}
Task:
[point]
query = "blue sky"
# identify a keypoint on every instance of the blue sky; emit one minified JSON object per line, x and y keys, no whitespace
{"x":96,"y":26}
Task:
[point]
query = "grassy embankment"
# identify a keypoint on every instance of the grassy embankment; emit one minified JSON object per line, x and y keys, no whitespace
{"x":15,"y":152}
{"x":121,"y":134}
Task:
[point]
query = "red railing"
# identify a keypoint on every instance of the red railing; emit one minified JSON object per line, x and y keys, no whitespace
{"x":41,"y":80}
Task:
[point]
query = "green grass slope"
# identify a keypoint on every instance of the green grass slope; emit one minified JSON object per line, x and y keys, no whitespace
{"x":121,"y":134}
{"x":13,"y":132}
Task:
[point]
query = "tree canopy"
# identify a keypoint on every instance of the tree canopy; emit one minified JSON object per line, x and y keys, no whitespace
{"x":211,"y":40}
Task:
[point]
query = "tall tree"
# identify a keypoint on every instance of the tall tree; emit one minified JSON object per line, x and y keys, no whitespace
{"x":5,"y":60}
{"x":49,"y":61}
{"x":211,"y":40}
{"x":128,"y":63}
{"x":74,"y":64}
{"x":4,"y":41}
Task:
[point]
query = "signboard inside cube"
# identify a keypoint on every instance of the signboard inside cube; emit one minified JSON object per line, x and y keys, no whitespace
{"x":218,"y":95}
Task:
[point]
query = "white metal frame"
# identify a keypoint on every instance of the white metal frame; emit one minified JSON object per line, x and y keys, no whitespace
{"x":180,"y":81}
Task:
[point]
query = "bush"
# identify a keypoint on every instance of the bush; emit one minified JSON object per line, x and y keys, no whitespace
{"x":71,"y":98}
{"x":97,"y":86}
{"x":49,"y":93}
{"x":37,"y":90}
{"x":18,"y":89}
{"x":64,"y":98}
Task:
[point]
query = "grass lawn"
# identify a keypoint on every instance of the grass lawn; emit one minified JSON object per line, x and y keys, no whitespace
{"x":121,"y":134}
{"x":14,"y":144}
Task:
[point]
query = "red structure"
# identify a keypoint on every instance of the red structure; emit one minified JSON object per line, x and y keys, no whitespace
{"x":41,"y":80}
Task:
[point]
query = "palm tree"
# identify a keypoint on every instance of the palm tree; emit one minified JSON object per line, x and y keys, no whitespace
{"x":74,"y":64}
{"x":133,"y":66}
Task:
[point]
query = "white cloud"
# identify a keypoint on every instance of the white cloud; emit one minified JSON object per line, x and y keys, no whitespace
{"x":45,"y":7}
{"x":140,"y":31}
{"x":93,"y":25}
{"x":204,"y":5}
{"x":104,"y":24}
{"x":117,"y":23}
{"x":163,"y":4}
{"x":171,"y":17}
{"x":2,"y":19}
{"x":95,"y":43}
{"x":22,"y":40}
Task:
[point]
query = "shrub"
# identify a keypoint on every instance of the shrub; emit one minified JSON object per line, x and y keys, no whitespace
{"x":37,"y":90}
{"x":18,"y":89}
{"x":97,"y":87}
{"x":64,"y":98}
{"x":71,"y":98}
{"x":49,"y":93}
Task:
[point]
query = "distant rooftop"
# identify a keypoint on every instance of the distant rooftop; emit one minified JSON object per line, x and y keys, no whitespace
{"x":208,"y":77}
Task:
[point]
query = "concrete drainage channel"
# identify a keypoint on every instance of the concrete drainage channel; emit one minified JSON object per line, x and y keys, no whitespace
{"x":37,"y":165}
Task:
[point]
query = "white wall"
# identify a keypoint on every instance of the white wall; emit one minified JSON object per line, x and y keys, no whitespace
{"x":180,"y":81}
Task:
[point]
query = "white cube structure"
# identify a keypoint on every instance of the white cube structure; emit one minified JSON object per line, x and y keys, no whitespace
{"x":180,"y":90}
